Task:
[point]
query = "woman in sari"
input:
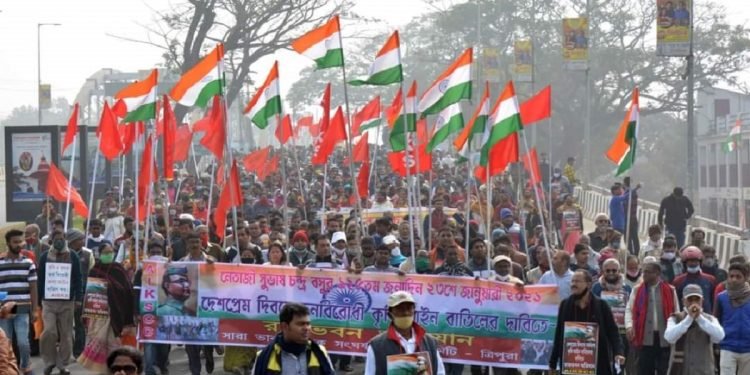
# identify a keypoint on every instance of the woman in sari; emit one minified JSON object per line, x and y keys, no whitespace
{"x":113,"y":318}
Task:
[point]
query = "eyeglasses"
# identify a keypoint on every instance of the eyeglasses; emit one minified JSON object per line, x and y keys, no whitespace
{"x":128,"y":369}
{"x":602,"y":221}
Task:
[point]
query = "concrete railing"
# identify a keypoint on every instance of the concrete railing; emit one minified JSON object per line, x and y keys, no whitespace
{"x":726,"y":239}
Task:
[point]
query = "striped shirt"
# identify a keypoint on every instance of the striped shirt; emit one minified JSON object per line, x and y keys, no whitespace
{"x":15,"y":276}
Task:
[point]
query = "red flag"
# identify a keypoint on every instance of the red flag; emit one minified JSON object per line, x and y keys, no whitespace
{"x":284,"y":130}
{"x":255,"y":161}
{"x":120,"y":109}
{"x":270,"y":167}
{"x":370,"y":111}
{"x":399,"y":160}
{"x":169,"y":139}
{"x":361,"y":151}
{"x":147,"y":172}
{"x":363,"y":179}
{"x":216,"y":137}
{"x":538,"y":107}
{"x":392,"y":112}
{"x":531,"y":164}
{"x":130,"y":132}
{"x":231,"y":196}
{"x":306,"y":121}
{"x":220,"y":175}
{"x":501,"y":155}
{"x":335,"y":133}
{"x":57,"y":188}
{"x":322,"y":125}
{"x":71,"y":130}
{"x":203,"y":125}
{"x":183,"y":139}
{"x":110,"y":143}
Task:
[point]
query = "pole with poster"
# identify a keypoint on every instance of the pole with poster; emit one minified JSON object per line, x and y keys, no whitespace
{"x":70,"y":182}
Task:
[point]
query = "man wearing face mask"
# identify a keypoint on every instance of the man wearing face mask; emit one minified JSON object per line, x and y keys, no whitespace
{"x":583,"y":306}
{"x":18,"y":279}
{"x":338,"y":249}
{"x":403,"y":336}
{"x":75,"y":244}
{"x":671,"y":266}
{"x":57,"y":311}
{"x":710,"y":264}
{"x":396,"y":257}
{"x":692,"y":258}
{"x":33,"y":243}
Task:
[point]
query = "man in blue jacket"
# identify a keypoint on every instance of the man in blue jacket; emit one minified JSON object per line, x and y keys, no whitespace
{"x":59,"y":299}
{"x":733,"y":311}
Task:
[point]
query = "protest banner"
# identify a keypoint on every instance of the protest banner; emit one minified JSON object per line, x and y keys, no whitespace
{"x":369,"y":215}
{"x":673,"y":27}
{"x":476,"y":321}
{"x":576,"y":43}
{"x":57,"y":281}
{"x":95,"y":302}
{"x":579,"y":348}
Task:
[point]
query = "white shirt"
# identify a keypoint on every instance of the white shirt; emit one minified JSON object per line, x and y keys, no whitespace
{"x":409,"y":347}
{"x":562,"y":282}
{"x":707,"y":323}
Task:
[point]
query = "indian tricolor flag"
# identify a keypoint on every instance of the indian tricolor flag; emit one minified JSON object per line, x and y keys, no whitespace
{"x":368,"y":117}
{"x":504,"y":121}
{"x":202,"y":82}
{"x":387,"y":66}
{"x":266,"y":104}
{"x":323,"y":45}
{"x":476,"y":124}
{"x":733,"y":141}
{"x":451,"y":86}
{"x":403,"y":120}
{"x":449,"y":121}
{"x":622,"y":151}
{"x":139,"y":99}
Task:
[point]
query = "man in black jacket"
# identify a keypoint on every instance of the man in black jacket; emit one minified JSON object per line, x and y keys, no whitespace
{"x":674,"y":212}
{"x":583,"y":306}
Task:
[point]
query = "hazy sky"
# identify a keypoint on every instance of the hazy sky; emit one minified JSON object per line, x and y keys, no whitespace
{"x":80,"y":46}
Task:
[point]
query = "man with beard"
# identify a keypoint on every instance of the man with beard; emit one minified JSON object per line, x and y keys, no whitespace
{"x":583,"y":306}
{"x":732,"y":310}
{"x":599,"y":238}
{"x":18,"y":280}
{"x":611,"y":288}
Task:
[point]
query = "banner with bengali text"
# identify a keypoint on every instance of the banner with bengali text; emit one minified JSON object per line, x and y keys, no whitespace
{"x":476,"y":321}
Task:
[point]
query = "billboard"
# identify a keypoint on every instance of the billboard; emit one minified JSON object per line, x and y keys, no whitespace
{"x":491,"y":64}
{"x":523,"y":69}
{"x":576,"y":43}
{"x":673,"y":28}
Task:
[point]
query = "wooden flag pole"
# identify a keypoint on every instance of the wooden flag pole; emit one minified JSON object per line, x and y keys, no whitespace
{"x":92,"y":187}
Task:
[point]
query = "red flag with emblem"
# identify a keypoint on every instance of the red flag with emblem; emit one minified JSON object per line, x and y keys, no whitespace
{"x":57,"y":188}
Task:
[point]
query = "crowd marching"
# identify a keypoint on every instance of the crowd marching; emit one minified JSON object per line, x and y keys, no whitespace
{"x":684,"y":314}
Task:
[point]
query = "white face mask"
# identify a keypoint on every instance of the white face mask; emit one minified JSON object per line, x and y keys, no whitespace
{"x":502,"y":278}
{"x":668,"y":255}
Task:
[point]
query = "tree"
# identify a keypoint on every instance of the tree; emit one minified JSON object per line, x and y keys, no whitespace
{"x":249,"y":29}
{"x":58,"y":114}
{"x":622,"y":56}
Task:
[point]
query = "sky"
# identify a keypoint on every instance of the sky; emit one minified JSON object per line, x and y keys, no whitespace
{"x":82,"y":44}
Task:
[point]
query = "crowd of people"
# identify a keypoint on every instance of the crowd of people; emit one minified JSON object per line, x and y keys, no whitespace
{"x":667,"y":304}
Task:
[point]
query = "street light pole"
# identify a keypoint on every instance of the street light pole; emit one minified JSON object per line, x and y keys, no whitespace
{"x":39,"y":69}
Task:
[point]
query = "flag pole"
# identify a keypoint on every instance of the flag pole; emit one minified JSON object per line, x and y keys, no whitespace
{"x":323,"y":203}
{"x":70,"y":181}
{"x":122,"y":177}
{"x":282,"y":160}
{"x":741,"y":205}
{"x":349,"y":137}
{"x":627,"y":224}
{"x":92,"y":187}
{"x":136,"y":203}
{"x":409,"y":192}
{"x":375,"y":153}
{"x":468,"y":196}
{"x":297,"y":166}
{"x":228,"y":160}
{"x":538,"y":199}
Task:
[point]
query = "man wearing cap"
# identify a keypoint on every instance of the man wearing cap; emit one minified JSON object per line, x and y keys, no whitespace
{"x":76,"y":240}
{"x":599,"y":238}
{"x":403,"y":336}
{"x":338,"y":249}
{"x":502,"y":266}
{"x":393,"y":245}
{"x":176,"y":286}
{"x":512,"y":229}
{"x":58,"y":311}
{"x":692,"y":334}
{"x":692,"y":257}
{"x":300,"y":252}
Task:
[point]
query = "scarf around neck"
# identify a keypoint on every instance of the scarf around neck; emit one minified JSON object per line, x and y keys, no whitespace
{"x":738,"y":296}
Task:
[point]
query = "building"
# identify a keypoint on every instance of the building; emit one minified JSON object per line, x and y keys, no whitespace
{"x":723,"y":193}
